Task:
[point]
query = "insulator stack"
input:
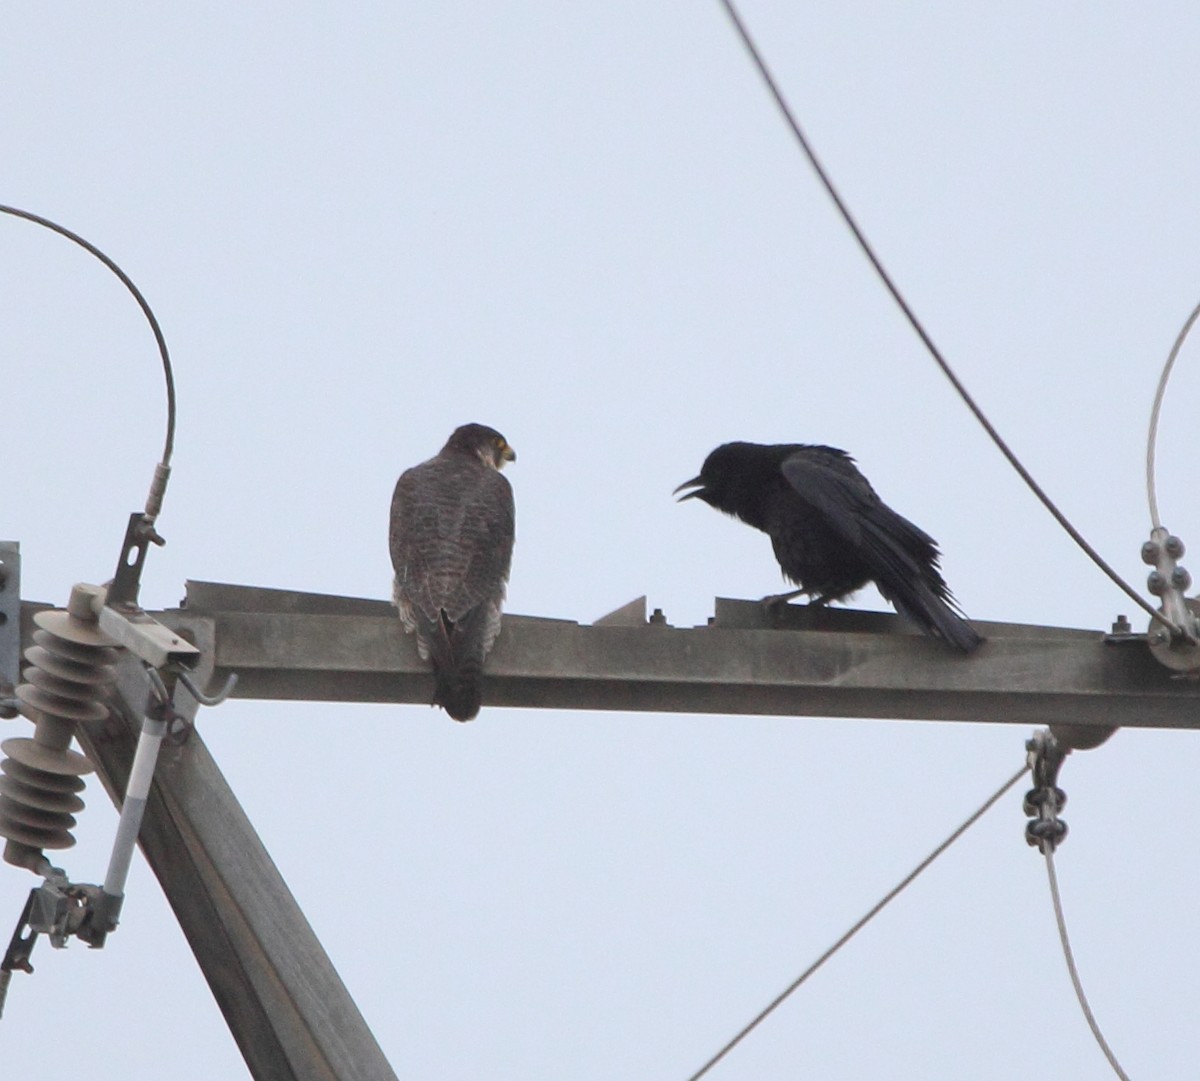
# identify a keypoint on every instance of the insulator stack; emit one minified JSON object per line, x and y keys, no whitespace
{"x":66,"y":682}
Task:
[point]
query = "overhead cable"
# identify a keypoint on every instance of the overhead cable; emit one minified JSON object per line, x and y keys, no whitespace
{"x":1070,"y":959}
{"x":919,"y":328}
{"x":1045,"y":831}
{"x":1159,"y":394}
{"x":162,"y":471}
{"x":779,"y":999}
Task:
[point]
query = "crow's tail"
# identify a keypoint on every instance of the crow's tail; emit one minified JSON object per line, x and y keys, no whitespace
{"x":908,"y":575}
{"x":935,"y":616}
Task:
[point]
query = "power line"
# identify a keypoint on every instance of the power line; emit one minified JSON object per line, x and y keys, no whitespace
{"x":37,"y":219}
{"x":919,"y":328}
{"x":1048,"y":851}
{"x":1159,"y":394}
{"x":871,"y":914}
{"x":162,"y":471}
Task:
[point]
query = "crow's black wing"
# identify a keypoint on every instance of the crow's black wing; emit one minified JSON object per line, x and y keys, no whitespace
{"x":901,"y":559}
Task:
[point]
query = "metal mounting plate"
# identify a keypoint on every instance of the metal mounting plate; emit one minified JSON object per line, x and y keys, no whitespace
{"x":10,"y":617}
{"x":1183,"y":656}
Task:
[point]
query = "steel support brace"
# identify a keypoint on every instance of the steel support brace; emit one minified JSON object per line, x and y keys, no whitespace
{"x":285,"y":1004}
{"x":10,"y":620}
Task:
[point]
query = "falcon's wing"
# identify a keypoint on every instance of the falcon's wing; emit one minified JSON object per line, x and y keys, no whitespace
{"x":451,"y":537}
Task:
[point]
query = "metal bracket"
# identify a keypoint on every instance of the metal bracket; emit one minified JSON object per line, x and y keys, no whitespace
{"x":21,"y":945}
{"x":58,"y":909}
{"x":145,"y":637}
{"x":214,"y":699}
{"x":1180,"y":654}
{"x":10,"y":626}
{"x":127,"y":581}
{"x":1168,"y":581}
{"x":1043,"y":802}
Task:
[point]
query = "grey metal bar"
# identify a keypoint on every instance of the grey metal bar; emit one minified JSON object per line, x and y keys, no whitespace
{"x":10,"y":619}
{"x":133,"y":812}
{"x":285,"y":1005}
{"x":828,"y":663}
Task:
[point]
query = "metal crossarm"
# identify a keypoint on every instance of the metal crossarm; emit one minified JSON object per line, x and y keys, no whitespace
{"x":747,"y":660}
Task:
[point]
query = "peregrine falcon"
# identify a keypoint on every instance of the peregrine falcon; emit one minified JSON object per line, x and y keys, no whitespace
{"x":451,"y":540}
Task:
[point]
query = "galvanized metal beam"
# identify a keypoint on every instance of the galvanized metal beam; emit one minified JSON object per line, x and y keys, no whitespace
{"x":799,"y":662}
{"x":285,"y":1004}
{"x":10,"y":622}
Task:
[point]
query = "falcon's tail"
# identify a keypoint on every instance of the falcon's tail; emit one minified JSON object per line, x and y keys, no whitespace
{"x":459,"y":693}
{"x":456,"y":653}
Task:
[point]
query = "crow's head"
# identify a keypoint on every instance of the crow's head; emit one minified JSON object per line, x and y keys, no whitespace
{"x":725,"y":476}
{"x":736,"y":478}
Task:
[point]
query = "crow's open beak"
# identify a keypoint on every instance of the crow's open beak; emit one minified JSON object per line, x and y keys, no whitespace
{"x":695,"y":483}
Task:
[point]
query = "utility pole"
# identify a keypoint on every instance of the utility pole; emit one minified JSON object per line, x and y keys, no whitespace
{"x":286,"y":1007}
{"x":119,"y":680}
{"x":281,"y":997}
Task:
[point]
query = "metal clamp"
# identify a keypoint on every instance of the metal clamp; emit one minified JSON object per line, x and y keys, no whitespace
{"x":10,"y":627}
{"x":214,"y":699}
{"x":1045,"y":800}
{"x":57,"y":908}
{"x":1168,"y":581}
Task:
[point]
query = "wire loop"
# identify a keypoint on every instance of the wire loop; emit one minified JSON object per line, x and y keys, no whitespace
{"x":154,"y":501}
{"x":1156,"y":409}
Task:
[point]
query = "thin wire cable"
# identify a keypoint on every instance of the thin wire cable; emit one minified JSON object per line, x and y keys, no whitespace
{"x":779,"y":999}
{"x":169,"y":445}
{"x":1159,"y":394}
{"x":1066,"y":945}
{"x":916,"y":324}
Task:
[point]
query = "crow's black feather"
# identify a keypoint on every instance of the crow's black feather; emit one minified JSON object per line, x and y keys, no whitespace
{"x":831,"y":532}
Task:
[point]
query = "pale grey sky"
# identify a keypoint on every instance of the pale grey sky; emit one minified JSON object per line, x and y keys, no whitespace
{"x":361,"y":225}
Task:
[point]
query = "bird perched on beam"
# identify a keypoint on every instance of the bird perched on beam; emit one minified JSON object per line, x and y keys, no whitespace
{"x":831,"y":533}
{"x":451,"y":539}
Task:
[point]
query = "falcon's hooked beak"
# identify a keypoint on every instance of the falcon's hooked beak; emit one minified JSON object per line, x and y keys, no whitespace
{"x":696,"y":482}
{"x":507,"y":454}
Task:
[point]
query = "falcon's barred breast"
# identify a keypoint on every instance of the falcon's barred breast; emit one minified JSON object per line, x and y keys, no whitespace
{"x":451,"y":539}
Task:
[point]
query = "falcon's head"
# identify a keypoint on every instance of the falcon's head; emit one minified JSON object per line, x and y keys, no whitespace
{"x":487,"y":444}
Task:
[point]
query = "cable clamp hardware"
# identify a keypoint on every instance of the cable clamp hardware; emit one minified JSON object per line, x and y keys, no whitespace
{"x":1169,"y":581}
{"x":1045,"y":800}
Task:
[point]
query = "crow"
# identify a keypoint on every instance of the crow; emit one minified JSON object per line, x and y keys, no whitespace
{"x":830,"y":531}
